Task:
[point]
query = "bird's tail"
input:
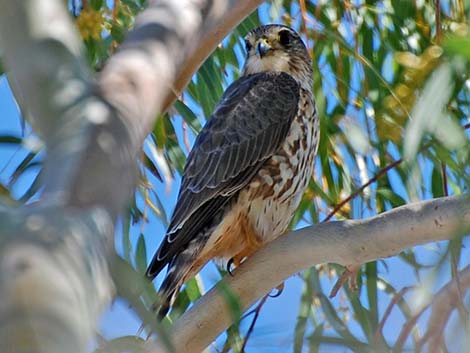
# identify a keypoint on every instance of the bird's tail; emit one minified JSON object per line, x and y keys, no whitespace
{"x":167,"y":292}
{"x":180,"y":269}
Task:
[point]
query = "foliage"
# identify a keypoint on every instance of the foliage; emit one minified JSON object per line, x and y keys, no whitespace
{"x":391,"y":85}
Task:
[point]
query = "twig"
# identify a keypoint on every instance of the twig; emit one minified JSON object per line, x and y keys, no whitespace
{"x":343,"y":242}
{"x":303,"y":10}
{"x":455,"y":274}
{"x":396,"y":298}
{"x":380,"y":173}
{"x":257,"y":311}
{"x":358,"y":191}
{"x":438,"y":21}
{"x":350,"y":274}
{"x":443,"y":303}
{"x":444,"y":179}
{"x":115,"y":10}
{"x":405,"y":331}
{"x":187,"y":145}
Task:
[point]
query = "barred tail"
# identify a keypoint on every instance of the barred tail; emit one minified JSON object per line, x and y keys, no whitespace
{"x":180,"y":269}
{"x":168,"y":292}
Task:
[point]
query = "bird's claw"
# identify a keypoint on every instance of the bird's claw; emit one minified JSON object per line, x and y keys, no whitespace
{"x":280,"y":289}
{"x":229,"y":267}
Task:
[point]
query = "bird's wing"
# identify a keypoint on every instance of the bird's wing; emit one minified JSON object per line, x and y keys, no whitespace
{"x":248,"y":126}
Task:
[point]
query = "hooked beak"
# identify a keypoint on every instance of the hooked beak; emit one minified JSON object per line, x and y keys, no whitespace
{"x":262,"y":47}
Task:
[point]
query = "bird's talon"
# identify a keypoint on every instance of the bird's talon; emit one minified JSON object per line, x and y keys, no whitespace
{"x":280,"y":289}
{"x":229,"y":267}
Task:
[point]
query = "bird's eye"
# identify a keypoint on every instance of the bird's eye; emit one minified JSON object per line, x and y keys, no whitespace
{"x":285,"y":38}
{"x":248,"y":45}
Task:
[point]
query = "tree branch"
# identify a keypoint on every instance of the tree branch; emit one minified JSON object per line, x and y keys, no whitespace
{"x":159,"y":57}
{"x":349,"y":242}
{"x":54,"y":279}
{"x":443,"y":303}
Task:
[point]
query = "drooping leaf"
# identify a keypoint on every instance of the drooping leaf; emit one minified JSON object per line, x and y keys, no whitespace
{"x":141,"y":255}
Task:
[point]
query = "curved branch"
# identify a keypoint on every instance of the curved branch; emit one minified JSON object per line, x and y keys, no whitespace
{"x":54,"y":278}
{"x":159,"y":57}
{"x":349,"y":242}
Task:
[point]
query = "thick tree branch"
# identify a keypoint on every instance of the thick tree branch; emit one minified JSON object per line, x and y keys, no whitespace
{"x":171,"y":41}
{"x":54,"y":279}
{"x":347,"y":242}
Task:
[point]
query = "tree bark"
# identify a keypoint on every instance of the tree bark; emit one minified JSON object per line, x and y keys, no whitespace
{"x":351,"y":242}
{"x":54,"y":275}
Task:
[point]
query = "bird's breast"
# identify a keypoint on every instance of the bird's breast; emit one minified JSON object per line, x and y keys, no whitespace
{"x":264,"y":208}
{"x":276,"y":191}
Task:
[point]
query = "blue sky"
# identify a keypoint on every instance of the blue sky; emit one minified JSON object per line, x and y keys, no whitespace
{"x":274,"y":330}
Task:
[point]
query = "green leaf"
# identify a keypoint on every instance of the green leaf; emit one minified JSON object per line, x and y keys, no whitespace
{"x":437,"y":185}
{"x":189,"y":117}
{"x":231,"y":300}
{"x":428,"y":111}
{"x":25,"y":164}
{"x":7,"y":139}
{"x":304,"y":312}
{"x":97,"y":4}
{"x":314,"y":343}
{"x":152,"y":168}
{"x":180,"y":305}
{"x":330,"y":312}
{"x":126,"y":241}
{"x":234,"y":340}
{"x":134,"y":5}
{"x":32,"y":189}
{"x":176,"y":155}
{"x":141,"y":255}
{"x":189,"y":294}
{"x":372,"y":296}
{"x":389,"y":196}
{"x":160,"y":133}
{"x":457,"y":45}
{"x":161,"y":210}
{"x":192,"y":289}
{"x":130,"y":285}
{"x":118,"y":32}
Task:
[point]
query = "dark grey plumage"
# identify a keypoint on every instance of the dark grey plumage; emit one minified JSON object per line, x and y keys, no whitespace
{"x":248,"y":126}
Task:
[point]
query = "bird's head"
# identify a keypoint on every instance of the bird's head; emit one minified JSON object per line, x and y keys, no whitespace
{"x":277,"y":48}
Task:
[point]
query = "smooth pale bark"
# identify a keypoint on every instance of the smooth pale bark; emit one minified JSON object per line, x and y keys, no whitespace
{"x":54,"y":279}
{"x":350,"y":242}
{"x":54,"y":275}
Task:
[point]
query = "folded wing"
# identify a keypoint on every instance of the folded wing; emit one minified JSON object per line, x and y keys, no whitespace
{"x":247,"y":127}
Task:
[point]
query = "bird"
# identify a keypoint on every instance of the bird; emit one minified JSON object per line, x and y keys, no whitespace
{"x":249,"y":166}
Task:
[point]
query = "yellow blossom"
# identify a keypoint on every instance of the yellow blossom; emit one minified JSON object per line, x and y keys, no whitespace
{"x":90,"y":23}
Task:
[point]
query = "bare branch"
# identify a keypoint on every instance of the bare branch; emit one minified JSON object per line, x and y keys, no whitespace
{"x":348,"y":243}
{"x":396,"y":298}
{"x":443,"y":304}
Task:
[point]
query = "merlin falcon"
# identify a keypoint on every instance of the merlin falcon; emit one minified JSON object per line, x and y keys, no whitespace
{"x":249,"y":166}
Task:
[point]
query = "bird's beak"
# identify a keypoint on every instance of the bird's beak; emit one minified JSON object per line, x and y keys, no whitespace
{"x":262,"y":47}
